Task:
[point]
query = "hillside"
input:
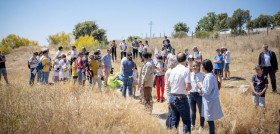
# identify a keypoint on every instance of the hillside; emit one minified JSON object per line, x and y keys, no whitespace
{"x":68,"y":108}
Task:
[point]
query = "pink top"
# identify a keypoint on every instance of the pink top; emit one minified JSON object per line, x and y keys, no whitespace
{"x":79,"y":60}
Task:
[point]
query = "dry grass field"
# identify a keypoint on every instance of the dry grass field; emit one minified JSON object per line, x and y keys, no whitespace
{"x":68,"y":108}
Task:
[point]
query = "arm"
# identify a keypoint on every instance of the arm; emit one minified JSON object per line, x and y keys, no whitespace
{"x":207,"y":86}
{"x":264,"y":90}
{"x":253,"y":89}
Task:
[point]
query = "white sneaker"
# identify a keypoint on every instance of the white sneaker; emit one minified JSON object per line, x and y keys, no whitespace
{"x":192,"y":127}
{"x":200,"y":129}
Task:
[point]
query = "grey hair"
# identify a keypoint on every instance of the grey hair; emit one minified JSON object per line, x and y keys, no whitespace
{"x":172,"y":61}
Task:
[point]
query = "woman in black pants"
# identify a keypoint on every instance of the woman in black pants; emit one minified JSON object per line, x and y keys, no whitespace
{"x":114,"y":50}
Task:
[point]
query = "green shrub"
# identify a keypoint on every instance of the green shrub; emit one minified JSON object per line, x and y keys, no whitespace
{"x":180,"y":34}
{"x":202,"y":34}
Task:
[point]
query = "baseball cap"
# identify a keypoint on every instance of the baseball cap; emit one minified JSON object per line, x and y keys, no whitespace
{"x":129,"y":54}
{"x":45,"y":51}
{"x":258,"y":67}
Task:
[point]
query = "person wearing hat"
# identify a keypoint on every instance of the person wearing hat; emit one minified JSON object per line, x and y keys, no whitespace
{"x":46,"y":67}
{"x":160,"y":70}
{"x":268,"y":60}
{"x":259,"y":86}
{"x":95,"y":64}
{"x":218,"y":65}
{"x":106,"y":60}
{"x":114,"y":50}
{"x":123,"y":47}
{"x":128,"y":68}
{"x":135,"y":48}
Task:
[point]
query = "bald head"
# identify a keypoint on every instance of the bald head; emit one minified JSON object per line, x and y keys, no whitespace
{"x":181,"y":57}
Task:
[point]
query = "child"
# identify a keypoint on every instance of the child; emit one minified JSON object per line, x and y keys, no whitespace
{"x":56,"y":71}
{"x":74,"y":70}
{"x":135,"y":81}
{"x":259,"y":86}
{"x":164,"y":53}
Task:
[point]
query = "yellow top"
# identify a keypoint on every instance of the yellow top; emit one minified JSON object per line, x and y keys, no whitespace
{"x":45,"y":62}
{"x":94,"y":65}
{"x":74,"y":69}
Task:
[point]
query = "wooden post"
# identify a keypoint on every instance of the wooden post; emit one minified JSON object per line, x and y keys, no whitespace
{"x":192,"y":35}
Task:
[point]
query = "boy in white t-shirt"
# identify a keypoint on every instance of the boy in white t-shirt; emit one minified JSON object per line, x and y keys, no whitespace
{"x":56,"y":71}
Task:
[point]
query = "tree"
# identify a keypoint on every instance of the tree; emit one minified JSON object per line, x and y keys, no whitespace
{"x":85,"y":41}
{"x":261,"y":21}
{"x":276,"y":19}
{"x":238,"y":19}
{"x":61,"y":39}
{"x":90,"y":28}
{"x":181,"y":27}
{"x":221,"y":22}
{"x":207,"y":23}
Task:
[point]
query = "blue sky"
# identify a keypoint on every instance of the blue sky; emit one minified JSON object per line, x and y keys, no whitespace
{"x":36,"y":19}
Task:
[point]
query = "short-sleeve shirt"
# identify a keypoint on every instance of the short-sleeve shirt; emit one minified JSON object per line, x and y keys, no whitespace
{"x":218,"y":58}
{"x":2,"y":64}
{"x":58,"y":53}
{"x":79,"y":60}
{"x":196,"y":78}
{"x":227,"y":58}
{"x":74,"y":54}
{"x":135,"y":44}
{"x":94,"y":65}
{"x":123,"y":46}
{"x":45,"y":62}
{"x":259,"y":83}
{"x":179,"y":77}
{"x":128,"y":65}
{"x":107,"y":60}
{"x":197,"y":54}
{"x":33,"y":60}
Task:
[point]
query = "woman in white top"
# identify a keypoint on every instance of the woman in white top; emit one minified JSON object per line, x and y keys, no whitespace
{"x":195,"y":97}
{"x":160,"y":70}
{"x":211,"y":107}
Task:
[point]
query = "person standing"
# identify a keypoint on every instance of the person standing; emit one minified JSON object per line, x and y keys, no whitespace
{"x":268,"y":60}
{"x":135,"y":48}
{"x":64,"y":68}
{"x":197,"y":55}
{"x":226,"y":66}
{"x":128,"y":67}
{"x":59,"y":52}
{"x":195,"y":97}
{"x":80,"y":67}
{"x":94,"y":66}
{"x":39,"y":72}
{"x":211,"y":107}
{"x":218,"y":65}
{"x":86,"y":66}
{"x":106,"y":59}
{"x":123,"y":47}
{"x":46,"y":67}
{"x":141,"y":48}
{"x":259,"y":86}
{"x":165,"y":42}
{"x":147,"y":80}
{"x":187,"y":54}
{"x":33,"y":61}
{"x":160,"y":70}
{"x":172,"y":63}
{"x":114,"y":50}
{"x":180,"y":82}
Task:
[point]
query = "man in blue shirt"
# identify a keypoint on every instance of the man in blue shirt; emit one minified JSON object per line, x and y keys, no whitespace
{"x":106,"y":59}
{"x":128,"y":67}
{"x":218,"y":65}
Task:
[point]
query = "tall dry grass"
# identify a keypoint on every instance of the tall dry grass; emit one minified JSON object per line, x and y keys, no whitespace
{"x":67,"y":108}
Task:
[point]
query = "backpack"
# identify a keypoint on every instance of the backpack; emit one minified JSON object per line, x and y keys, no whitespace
{"x":40,"y":66}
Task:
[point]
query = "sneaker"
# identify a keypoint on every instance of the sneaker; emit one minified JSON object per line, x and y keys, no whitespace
{"x":200,"y":129}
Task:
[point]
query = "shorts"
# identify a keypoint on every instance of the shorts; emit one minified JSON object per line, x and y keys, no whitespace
{"x":3,"y":72}
{"x":218,"y":72}
{"x":84,"y":76}
{"x":226,"y":67}
{"x":259,"y":101}
{"x":75,"y":77}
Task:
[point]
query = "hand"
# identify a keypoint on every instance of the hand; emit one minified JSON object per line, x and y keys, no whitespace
{"x":198,"y":85}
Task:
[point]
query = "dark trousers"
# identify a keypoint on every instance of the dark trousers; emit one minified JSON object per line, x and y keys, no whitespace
{"x":32,"y":77}
{"x":123,"y":54}
{"x":196,"y":99}
{"x":271,"y":72}
{"x":114,"y":53}
{"x":211,"y":127}
{"x":135,"y":53}
{"x":148,"y":97}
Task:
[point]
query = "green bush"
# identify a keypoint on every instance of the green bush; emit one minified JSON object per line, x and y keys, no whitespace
{"x":202,"y":34}
{"x":180,"y":34}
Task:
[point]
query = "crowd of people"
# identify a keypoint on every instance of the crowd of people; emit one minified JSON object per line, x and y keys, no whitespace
{"x":185,"y":81}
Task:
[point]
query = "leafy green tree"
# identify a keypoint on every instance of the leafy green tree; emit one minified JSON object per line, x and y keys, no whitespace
{"x":238,"y":19}
{"x":221,"y":22}
{"x":261,"y":21}
{"x":276,"y":19}
{"x":207,"y":23}
{"x":99,"y":34}
{"x":181,"y":27}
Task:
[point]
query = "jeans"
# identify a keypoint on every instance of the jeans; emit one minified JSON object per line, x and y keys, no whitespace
{"x":114,"y":53}
{"x":32,"y":76}
{"x":135,"y":53}
{"x":140,"y":54}
{"x":211,"y":127}
{"x":45,"y":77}
{"x":80,"y":75}
{"x":271,"y":72}
{"x":196,"y":99}
{"x":127,"y":83}
{"x":39,"y":76}
{"x":123,"y":54}
{"x":180,"y":108}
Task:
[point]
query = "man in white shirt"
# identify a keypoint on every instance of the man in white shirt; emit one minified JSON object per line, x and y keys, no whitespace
{"x":123,"y":46}
{"x":226,"y":66}
{"x":33,"y":61}
{"x":180,"y":82}
{"x":59,"y":52}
